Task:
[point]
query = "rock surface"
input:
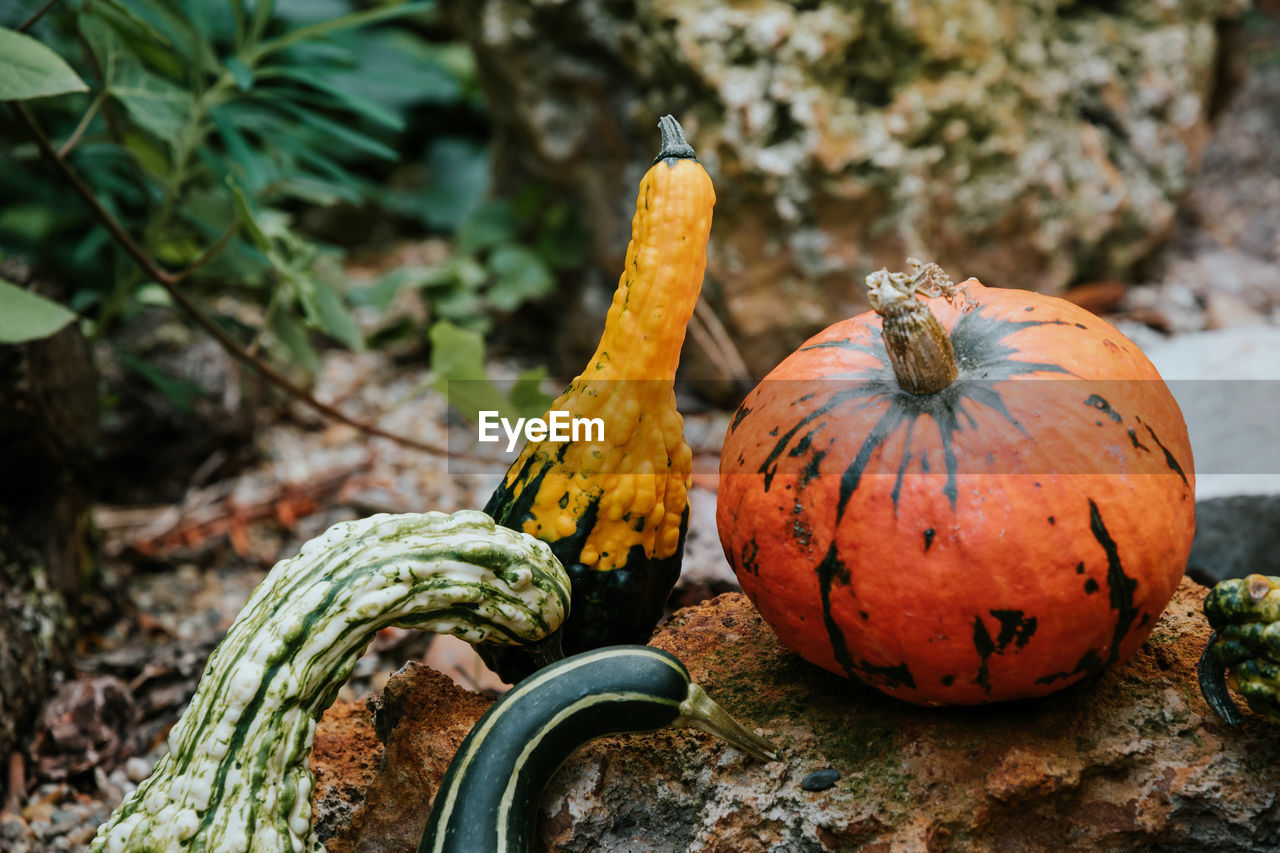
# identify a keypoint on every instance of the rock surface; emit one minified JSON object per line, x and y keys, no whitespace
{"x":1132,"y":759}
{"x":1235,"y":536}
{"x":1030,"y":145}
{"x":378,"y":763}
{"x":1227,"y":382}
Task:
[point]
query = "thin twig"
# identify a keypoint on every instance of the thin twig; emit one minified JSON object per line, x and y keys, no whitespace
{"x":86,"y":195}
{"x":268,"y":318}
{"x":74,"y":138}
{"x":31,"y":22}
{"x":110,"y":116}
{"x":718,"y":344}
{"x":210,"y":253}
{"x":17,"y":783}
{"x":168,"y":280}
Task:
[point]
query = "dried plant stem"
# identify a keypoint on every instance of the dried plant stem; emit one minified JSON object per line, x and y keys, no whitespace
{"x":919,"y":347}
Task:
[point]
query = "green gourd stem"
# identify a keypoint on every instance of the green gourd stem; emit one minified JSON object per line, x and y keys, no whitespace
{"x":236,"y":777}
{"x":674,"y":144}
{"x":920,"y":350}
{"x":489,"y":797}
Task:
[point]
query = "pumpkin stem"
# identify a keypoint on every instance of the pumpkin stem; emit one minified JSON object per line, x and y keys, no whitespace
{"x":919,"y":348}
{"x":674,"y":145}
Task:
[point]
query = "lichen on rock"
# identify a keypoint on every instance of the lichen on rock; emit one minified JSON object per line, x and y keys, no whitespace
{"x":1028,"y":144}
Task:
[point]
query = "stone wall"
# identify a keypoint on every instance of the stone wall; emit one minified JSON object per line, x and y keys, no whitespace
{"x":1027,"y":144}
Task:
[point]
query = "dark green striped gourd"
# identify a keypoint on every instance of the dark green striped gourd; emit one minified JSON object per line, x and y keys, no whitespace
{"x":236,"y":777}
{"x":488,"y":799}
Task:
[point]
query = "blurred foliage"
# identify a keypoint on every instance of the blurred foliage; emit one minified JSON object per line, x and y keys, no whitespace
{"x":1262,"y":31}
{"x":507,"y":251}
{"x":209,"y":129}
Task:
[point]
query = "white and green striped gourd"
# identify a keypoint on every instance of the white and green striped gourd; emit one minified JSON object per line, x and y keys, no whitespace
{"x":236,"y":777}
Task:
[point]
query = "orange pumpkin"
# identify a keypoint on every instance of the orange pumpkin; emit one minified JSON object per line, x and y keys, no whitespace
{"x":960,"y":503}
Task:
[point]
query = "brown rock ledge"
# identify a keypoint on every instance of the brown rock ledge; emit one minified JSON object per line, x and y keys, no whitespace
{"x":1132,"y":759}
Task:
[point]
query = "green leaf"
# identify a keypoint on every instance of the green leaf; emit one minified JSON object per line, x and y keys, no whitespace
{"x":127,"y":17}
{"x":315,"y":191}
{"x":27,"y":316}
{"x":104,"y":44}
{"x":191,"y":45}
{"x":244,"y":209}
{"x":561,"y":241}
{"x":335,"y":319}
{"x":527,"y":397}
{"x":165,"y":40}
{"x":28,"y":69}
{"x":322,"y":53}
{"x":296,"y":148}
{"x":293,"y":335}
{"x":448,"y":274}
{"x":458,"y":60}
{"x":241,"y":74}
{"x":82,"y":301}
{"x":297,"y":275}
{"x":319,"y":80}
{"x":148,"y":153}
{"x":398,"y":69}
{"x":456,"y":353}
{"x":519,"y":275}
{"x":379,"y":294}
{"x":84,"y":251}
{"x":153,"y":294}
{"x":338,"y":133}
{"x":459,"y":176}
{"x":457,"y":365}
{"x":28,"y":220}
{"x":332,"y":25}
{"x":462,"y":307}
{"x":298,"y":265}
{"x":183,"y":393}
{"x":298,"y":12}
{"x":491,"y":223}
{"x":245,"y":157}
{"x":153,"y":102}
{"x":467,"y":272}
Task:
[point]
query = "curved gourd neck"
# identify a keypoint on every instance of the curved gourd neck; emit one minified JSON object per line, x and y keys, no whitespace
{"x":488,"y":798}
{"x":236,"y":776}
{"x":660,"y":284}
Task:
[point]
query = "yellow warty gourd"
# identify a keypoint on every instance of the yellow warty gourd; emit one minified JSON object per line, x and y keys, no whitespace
{"x":615,"y":511}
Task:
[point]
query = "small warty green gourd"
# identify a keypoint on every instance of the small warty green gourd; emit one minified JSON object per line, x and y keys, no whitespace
{"x":236,"y":777}
{"x":1244,"y":649}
